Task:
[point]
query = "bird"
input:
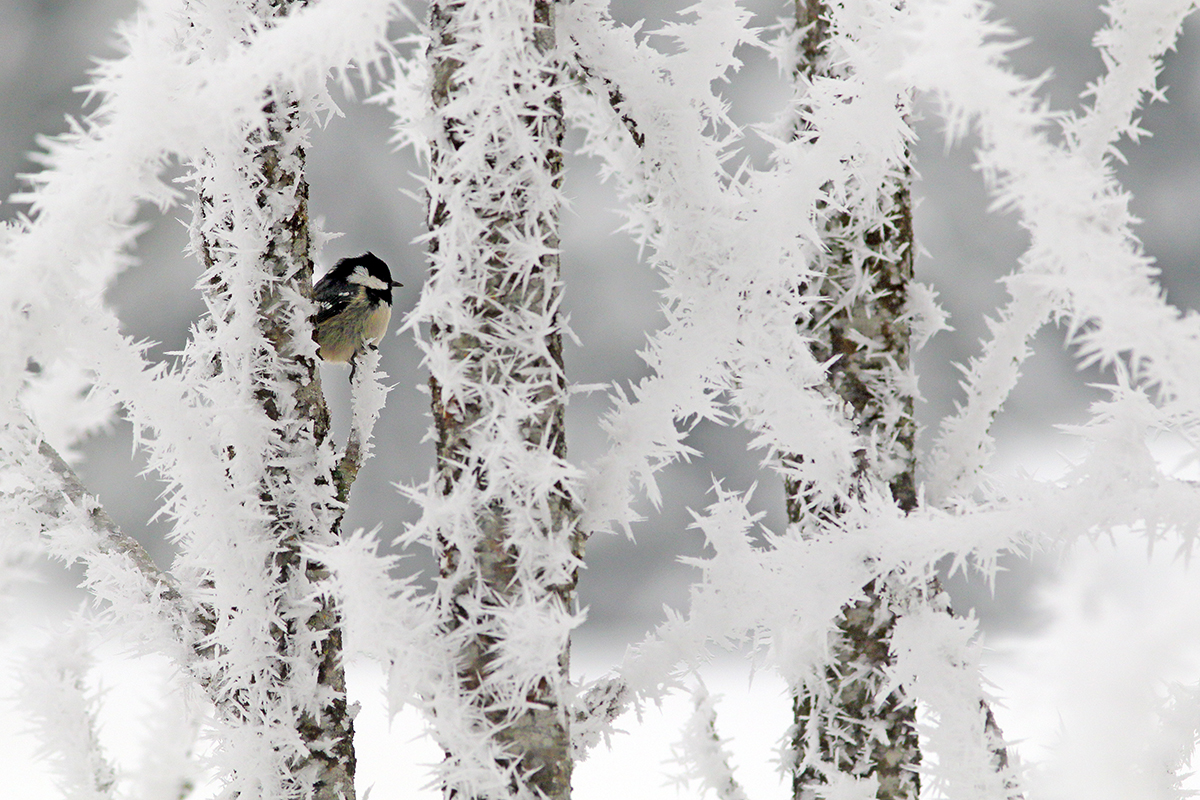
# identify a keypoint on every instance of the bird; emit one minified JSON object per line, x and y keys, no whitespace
{"x":354,"y":307}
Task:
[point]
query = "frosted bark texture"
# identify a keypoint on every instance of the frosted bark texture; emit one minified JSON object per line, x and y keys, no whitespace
{"x":850,"y":718}
{"x":273,"y":667}
{"x":508,"y":539}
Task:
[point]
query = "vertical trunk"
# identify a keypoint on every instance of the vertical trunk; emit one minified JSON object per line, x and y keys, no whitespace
{"x":848,"y":722}
{"x":498,"y":391}
{"x":251,"y":230}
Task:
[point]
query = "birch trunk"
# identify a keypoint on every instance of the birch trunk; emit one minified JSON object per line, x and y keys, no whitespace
{"x":848,"y":722}
{"x":509,"y":558}
{"x":251,"y":224}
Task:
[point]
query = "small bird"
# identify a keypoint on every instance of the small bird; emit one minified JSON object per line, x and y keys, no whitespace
{"x":354,"y":307}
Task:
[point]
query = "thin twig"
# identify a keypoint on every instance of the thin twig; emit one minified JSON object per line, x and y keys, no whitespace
{"x":68,"y":501}
{"x":367,"y":395}
{"x":73,"y":497}
{"x":595,"y":711}
{"x":616,"y":98}
{"x":994,"y":737}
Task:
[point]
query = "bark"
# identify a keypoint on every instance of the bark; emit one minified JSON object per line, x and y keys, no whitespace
{"x":501,"y":395}
{"x":285,"y":382}
{"x":847,"y":721}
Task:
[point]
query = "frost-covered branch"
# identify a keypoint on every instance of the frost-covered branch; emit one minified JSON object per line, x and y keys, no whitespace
{"x":850,"y":722}
{"x":1138,"y":35}
{"x":1084,"y":263}
{"x":47,"y":497}
{"x":594,"y":712}
{"x":937,"y":656}
{"x":727,"y":246}
{"x":1002,"y":761}
{"x":605,"y":86}
{"x":72,"y":503}
{"x":703,"y":754}
{"x":964,"y":446}
{"x":57,"y":701}
{"x":367,"y":393}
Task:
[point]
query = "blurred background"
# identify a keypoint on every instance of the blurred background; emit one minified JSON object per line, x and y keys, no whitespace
{"x":364,"y":191}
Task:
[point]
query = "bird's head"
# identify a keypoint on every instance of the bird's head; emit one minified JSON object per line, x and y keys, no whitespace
{"x":369,"y":271}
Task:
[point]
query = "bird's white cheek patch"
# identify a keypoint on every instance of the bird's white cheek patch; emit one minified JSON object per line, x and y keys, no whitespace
{"x":361,"y":276}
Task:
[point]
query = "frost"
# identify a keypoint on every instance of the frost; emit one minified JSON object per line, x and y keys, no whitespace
{"x":703,"y":754}
{"x":254,"y":492}
{"x":58,"y":702}
{"x":926,"y":317}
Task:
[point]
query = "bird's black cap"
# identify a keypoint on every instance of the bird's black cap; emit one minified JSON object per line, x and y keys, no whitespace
{"x":360,"y":269}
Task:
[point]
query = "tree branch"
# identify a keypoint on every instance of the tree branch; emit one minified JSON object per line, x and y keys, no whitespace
{"x":594,"y":713}
{"x":616,"y":98}
{"x":998,"y":747}
{"x":54,"y":503}
{"x":55,"y":699}
{"x":67,"y":501}
{"x":73,"y":497}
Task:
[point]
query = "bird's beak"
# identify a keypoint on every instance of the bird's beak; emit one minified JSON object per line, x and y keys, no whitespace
{"x":396,"y":284}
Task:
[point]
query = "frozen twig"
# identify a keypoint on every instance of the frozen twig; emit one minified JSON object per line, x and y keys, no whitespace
{"x":998,"y":747}
{"x":367,"y":396}
{"x":74,"y":503}
{"x":964,"y":447}
{"x":59,"y":500}
{"x":595,"y":712}
{"x":606,"y":86}
{"x":703,"y":753}
{"x":56,"y":700}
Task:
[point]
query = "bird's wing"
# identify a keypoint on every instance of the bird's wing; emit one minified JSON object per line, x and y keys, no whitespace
{"x":330,"y":299}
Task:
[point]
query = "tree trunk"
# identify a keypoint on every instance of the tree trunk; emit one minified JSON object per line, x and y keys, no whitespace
{"x":848,"y":722}
{"x":251,"y":228}
{"x":510,"y":556}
